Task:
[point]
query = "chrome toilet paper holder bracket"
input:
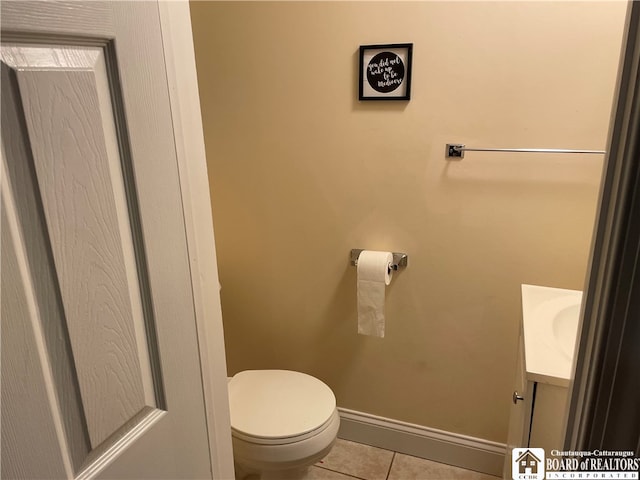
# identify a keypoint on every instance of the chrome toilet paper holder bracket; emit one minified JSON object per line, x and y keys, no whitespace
{"x":399,"y":259}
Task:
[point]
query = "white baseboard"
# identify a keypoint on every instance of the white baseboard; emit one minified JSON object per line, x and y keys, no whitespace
{"x":445,"y":447}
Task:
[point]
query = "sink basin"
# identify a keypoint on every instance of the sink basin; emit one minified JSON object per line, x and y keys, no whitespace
{"x":558,"y":318}
{"x":565,"y":328}
{"x":550,"y":325}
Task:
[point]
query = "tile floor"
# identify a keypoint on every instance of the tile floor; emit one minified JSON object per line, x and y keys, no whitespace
{"x":349,"y":460}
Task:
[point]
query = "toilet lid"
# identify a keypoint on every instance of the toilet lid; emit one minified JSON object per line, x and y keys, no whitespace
{"x":278,"y":403}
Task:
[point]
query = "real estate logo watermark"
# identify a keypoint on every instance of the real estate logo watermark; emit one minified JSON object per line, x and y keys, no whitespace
{"x":527,"y":464}
{"x":531,"y":464}
{"x":592,"y":465}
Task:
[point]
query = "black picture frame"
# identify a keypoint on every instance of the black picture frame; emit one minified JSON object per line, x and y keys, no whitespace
{"x":385,"y":72}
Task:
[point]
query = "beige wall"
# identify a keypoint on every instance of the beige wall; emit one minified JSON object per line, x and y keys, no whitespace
{"x":301,"y":172}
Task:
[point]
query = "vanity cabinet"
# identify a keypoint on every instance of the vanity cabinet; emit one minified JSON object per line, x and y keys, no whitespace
{"x":545,"y":351}
{"x":537,"y":411}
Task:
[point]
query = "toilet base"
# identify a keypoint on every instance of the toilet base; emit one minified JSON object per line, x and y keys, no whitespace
{"x":275,"y":472}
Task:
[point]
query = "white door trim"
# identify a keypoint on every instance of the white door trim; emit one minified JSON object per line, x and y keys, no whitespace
{"x":192,"y":165}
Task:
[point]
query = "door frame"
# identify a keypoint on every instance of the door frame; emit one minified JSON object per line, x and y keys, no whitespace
{"x":605,"y":392}
{"x":184,"y":98}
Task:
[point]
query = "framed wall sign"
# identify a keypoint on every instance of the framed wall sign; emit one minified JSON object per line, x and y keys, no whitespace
{"x":385,"y":72}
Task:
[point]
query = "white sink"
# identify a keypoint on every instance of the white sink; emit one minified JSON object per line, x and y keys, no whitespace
{"x":550,"y":324}
{"x":565,"y":328}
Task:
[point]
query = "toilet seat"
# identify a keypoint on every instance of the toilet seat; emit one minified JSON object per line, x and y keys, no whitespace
{"x":275,"y":407}
{"x":285,"y":440}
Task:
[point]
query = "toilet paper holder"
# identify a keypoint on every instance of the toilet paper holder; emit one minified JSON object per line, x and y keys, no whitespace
{"x":399,"y":259}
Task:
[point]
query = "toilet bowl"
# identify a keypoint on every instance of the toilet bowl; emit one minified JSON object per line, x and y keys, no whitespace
{"x":281,"y":422}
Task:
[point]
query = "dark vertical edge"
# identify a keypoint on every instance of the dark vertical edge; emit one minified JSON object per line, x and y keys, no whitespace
{"x":409,"y":69}
{"x":361,"y":74}
{"x":605,"y":391}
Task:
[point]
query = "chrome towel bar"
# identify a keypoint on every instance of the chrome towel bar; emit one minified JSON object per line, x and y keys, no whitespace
{"x":456,"y":150}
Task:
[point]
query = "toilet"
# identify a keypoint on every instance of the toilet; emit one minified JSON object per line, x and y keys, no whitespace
{"x":282,"y":422}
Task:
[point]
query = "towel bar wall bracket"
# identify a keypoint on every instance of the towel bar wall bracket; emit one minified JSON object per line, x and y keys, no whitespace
{"x":455,"y":151}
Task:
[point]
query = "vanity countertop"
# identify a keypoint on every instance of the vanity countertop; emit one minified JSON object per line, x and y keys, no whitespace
{"x":549,"y":324}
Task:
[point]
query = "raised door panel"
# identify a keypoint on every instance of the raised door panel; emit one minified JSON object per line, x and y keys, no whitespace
{"x":70,"y":129}
{"x":66,"y":187}
{"x":31,"y":239}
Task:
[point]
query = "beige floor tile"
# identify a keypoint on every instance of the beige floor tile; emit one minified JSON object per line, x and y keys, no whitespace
{"x":362,"y":461}
{"x":317,"y":473}
{"x":406,"y":467}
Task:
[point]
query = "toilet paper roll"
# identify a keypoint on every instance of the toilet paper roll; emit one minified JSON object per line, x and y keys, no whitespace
{"x":374,"y":274}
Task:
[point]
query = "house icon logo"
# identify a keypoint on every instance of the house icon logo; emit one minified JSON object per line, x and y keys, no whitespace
{"x":527,"y":464}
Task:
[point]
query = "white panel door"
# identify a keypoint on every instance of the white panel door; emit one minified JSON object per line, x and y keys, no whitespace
{"x":100,"y":369}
